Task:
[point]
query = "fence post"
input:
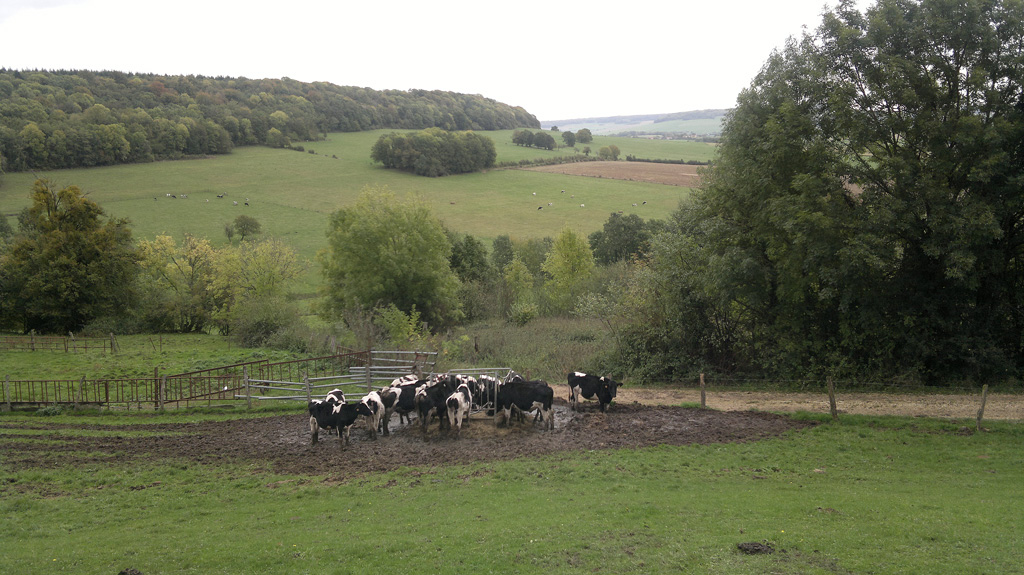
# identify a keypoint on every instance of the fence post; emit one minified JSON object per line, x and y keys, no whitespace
{"x":703,"y":399}
{"x":981,"y":411}
{"x":245,"y":381}
{"x":369,"y":364}
{"x":113,"y":343}
{"x":161,"y":392}
{"x":309,"y":392}
{"x":7,"y":393}
{"x":832,"y":399}
{"x":78,"y":392}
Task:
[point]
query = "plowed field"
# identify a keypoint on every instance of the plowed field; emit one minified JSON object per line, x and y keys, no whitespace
{"x":669,"y":174}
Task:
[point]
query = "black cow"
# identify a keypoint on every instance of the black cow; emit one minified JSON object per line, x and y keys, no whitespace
{"x":591,"y":386}
{"x":526,"y":396}
{"x":332,"y":415}
{"x":430,"y":399}
{"x":399,"y":399}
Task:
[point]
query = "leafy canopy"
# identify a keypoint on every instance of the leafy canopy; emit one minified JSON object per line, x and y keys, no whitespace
{"x":384,"y":250}
{"x":865,"y":214}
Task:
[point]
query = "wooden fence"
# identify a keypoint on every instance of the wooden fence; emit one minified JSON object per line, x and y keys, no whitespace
{"x":221,"y":384}
{"x":66,"y":344}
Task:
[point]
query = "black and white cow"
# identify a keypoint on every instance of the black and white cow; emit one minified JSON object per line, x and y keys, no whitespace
{"x":526,"y":396}
{"x":330,"y":415}
{"x":459,"y":404}
{"x":372,"y":408}
{"x":430,"y":399}
{"x":591,"y":387}
{"x":399,"y":399}
{"x":335,"y":396}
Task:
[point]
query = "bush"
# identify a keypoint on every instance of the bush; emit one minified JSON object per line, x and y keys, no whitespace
{"x":255,"y":322}
{"x":523,"y":313}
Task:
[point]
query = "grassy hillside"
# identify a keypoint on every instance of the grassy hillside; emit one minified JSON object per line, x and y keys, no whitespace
{"x":292,"y":193}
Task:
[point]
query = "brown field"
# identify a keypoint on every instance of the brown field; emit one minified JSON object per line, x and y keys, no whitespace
{"x":670,"y":174}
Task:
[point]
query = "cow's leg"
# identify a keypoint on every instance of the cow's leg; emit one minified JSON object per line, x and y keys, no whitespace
{"x":314,"y":429}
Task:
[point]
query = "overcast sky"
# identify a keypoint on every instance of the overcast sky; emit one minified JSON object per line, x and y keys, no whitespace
{"x":559,"y":59}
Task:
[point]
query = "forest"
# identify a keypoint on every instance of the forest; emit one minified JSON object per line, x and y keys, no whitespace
{"x":66,"y":119}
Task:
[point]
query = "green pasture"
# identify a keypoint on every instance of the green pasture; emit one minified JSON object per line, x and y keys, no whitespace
{"x":292,"y":193}
{"x":864,"y":495}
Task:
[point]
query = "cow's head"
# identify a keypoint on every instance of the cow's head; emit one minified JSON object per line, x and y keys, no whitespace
{"x":610,"y":385}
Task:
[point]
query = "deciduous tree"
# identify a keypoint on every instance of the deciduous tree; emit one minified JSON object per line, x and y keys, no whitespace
{"x":384,"y":250}
{"x":66,"y":266}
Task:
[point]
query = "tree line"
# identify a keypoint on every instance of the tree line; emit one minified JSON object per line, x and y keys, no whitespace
{"x":70,"y":267}
{"x":434,"y":152}
{"x":66,"y":119}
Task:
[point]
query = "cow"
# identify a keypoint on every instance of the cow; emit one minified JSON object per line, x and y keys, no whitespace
{"x":458,"y":405}
{"x":372,"y":408}
{"x":430,"y":399}
{"x":335,"y":397}
{"x":401,"y":399}
{"x":589,"y":387}
{"x":329,"y":415}
{"x":526,"y":396}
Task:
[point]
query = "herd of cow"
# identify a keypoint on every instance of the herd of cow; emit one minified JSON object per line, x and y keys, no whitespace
{"x":450,"y":398}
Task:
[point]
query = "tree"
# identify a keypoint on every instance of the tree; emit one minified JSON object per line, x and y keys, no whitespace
{"x":246,"y":226}
{"x":186,"y":273}
{"x":610,"y":152}
{"x":543,"y":140}
{"x":586,"y":151}
{"x":622,"y":237}
{"x":382,"y":251}
{"x":469,"y":258}
{"x":871,"y":160}
{"x":229,"y":231}
{"x":502,"y":251}
{"x":569,"y":138}
{"x":584,"y":136}
{"x":569,"y":264}
{"x":250,"y":284}
{"x":66,"y":266}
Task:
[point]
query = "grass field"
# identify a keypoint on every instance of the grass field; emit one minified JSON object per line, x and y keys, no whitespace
{"x":865,"y":495}
{"x":292,"y":193}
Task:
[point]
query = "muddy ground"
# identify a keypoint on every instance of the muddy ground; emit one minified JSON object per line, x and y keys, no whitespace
{"x":282,"y":443}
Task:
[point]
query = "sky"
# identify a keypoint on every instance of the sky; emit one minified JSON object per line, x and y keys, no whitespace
{"x":558,"y":59}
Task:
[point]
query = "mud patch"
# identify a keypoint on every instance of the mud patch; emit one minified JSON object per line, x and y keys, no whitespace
{"x":282,"y":443}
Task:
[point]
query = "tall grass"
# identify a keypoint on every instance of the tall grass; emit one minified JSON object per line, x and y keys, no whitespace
{"x":866,"y":495}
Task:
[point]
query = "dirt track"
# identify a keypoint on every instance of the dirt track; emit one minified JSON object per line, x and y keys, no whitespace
{"x":951,"y":406}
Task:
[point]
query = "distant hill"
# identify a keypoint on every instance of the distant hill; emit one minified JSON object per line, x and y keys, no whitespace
{"x":696,"y":123}
{"x":81,"y":118}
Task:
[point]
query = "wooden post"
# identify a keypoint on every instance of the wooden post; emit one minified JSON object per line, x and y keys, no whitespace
{"x":74,"y":344}
{"x":78,"y":392}
{"x":832,"y":399}
{"x":369,"y":364}
{"x":309,"y":392}
{"x":981,"y":410}
{"x":703,"y":399}
{"x":7,"y":392}
{"x":245,"y":381}
{"x":161,"y":393}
